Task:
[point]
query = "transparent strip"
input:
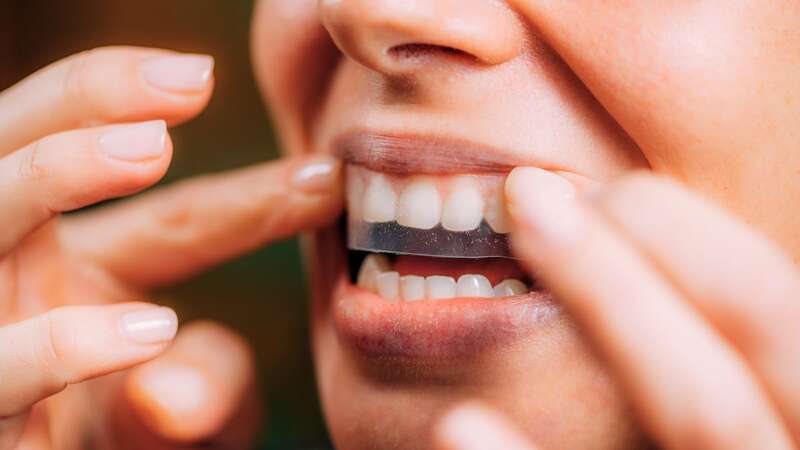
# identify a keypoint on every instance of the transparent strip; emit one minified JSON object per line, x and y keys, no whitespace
{"x":389,"y":237}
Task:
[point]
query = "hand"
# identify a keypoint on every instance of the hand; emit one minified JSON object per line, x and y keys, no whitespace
{"x":696,"y":313}
{"x":90,"y":128}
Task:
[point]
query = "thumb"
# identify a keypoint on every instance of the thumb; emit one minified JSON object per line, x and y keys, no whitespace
{"x":43,"y":355}
{"x":475,"y":427}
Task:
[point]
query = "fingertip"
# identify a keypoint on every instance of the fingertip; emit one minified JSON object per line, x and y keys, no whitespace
{"x":531,"y":187}
{"x":474,"y":426}
{"x":192,"y":391}
{"x":179,"y":73}
{"x":175,"y":400}
{"x":139,"y":154}
{"x":542,"y":204}
{"x":150,"y":325}
{"x":317,"y":174}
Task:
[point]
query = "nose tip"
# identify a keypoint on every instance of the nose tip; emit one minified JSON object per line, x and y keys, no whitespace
{"x":395,"y":36}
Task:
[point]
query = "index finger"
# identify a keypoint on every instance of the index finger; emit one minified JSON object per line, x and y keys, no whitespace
{"x":171,"y":234}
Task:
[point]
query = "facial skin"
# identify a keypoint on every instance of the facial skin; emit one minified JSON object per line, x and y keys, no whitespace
{"x":574,"y":88}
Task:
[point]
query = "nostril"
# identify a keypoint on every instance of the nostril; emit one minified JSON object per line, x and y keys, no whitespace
{"x":422,"y":52}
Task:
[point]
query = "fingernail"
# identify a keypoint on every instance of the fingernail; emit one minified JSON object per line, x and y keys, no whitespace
{"x":544,"y":202}
{"x":180,"y":73}
{"x":150,"y":326}
{"x":177,"y":389}
{"x":317,"y":175}
{"x":137,"y":142}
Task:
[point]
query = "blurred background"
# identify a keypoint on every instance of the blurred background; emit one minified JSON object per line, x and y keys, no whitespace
{"x":263,"y":295}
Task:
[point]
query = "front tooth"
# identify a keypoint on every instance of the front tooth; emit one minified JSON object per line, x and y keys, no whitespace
{"x":473,"y":286}
{"x":496,"y":213}
{"x":412,"y":287}
{"x":509,"y":288}
{"x":380,"y":201}
{"x":388,"y":285}
{"x":419,"y":205}
{"x":355,"y":193}
{"x":463,"y":209}
{"x":372,"y":266}
{"x":437,"y":286}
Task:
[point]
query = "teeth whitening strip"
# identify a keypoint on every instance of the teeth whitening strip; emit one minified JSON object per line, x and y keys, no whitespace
{"x":460,"y":216}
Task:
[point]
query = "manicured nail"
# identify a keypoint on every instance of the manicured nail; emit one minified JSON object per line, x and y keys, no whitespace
{"x":544,"y":202}
{"x":317,"y":175}
{"x":474,"y":427}
{"x":137,"y":142}
{"x":150,"y":326}
{"x":179,"y":73}
{"x":176,"y":389}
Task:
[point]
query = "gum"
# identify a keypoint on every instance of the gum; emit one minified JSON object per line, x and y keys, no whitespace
{"x":391,"y":237}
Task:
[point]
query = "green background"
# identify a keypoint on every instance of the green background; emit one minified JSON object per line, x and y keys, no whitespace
{"x":262,"y":295}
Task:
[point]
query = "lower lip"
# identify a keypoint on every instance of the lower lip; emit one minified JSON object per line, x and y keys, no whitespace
{"x":438,"y":330}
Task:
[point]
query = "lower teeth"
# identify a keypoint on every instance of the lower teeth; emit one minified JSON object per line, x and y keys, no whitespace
{"x":377,"y":276}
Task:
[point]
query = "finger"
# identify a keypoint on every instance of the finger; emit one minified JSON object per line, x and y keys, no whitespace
{"x":475,"y":427}
{"x":186,"y":228}
{"x":201,"y":389}
{"x":103,"y":86}
{"x":42,"y":355}
{"x":690,"y":387}
{"x":11,"y":430}
{"x":691,"y":106}
{"x":73,"y":169}
{"x":744,"y":284}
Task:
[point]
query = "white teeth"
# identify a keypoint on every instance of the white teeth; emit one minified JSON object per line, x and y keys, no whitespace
{"x":380,"y":201}
{"x":419,"y":205}
{"x":510,"y":287}
{"x":376,"y":275}
{"x":355,"y":193}
{"x":372,"y":266}
{"x":388,"y":285}
{"x":473,"y":286}
{"x":463,"y":207}
{"x":412,"y":288}
{"x":496,"y":213}
{"x":438,"y":287}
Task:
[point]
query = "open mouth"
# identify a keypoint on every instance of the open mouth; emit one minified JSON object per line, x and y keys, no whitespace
{"x":431,"y":275}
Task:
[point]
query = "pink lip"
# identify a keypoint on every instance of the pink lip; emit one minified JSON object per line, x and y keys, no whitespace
{"x":435,"y":330}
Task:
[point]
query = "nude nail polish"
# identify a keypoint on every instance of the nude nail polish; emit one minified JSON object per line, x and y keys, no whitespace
{"x":153,"y":325}
{"x":138,"y":142}
{"x":317,"y":175}
{"x":179,"y":73}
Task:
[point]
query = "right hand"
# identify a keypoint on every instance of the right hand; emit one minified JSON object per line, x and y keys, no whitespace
{"x":87,"y":129}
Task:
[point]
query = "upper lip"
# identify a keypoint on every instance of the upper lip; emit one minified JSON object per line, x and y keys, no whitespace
{"x":422,"y":154}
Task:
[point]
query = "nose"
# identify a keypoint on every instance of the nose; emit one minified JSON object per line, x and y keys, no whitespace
{"x":398,"y":37}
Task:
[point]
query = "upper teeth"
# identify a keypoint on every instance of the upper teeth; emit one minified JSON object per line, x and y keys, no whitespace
{"x":380,"y":201}
{"x":417,"y":203}
{"x":462,"y":209}
{"x":376,"y":276}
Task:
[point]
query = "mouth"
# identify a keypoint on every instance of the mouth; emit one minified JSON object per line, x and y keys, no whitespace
{"x":430,"y":273}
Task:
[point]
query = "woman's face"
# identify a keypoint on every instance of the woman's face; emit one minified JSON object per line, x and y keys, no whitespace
{"x":443,"y":88}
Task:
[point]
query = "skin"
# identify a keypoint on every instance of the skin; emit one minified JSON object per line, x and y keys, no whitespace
{"x":61,"y":279}
{"x":701,"y":94}
{"x":612,"y":87}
